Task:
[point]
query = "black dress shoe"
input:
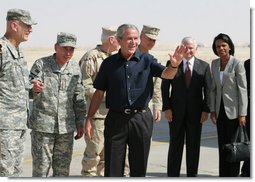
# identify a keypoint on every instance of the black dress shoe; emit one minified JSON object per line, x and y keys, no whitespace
{"x":244,"y":174}
{"x":191,"y":175}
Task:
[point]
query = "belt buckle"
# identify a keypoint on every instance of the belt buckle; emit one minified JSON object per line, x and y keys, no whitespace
{"x":127,"y":111}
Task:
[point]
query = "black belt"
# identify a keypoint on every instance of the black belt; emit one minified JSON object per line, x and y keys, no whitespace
{"x":129,"y":111}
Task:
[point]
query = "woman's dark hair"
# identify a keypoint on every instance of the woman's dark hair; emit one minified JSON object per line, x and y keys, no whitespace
{"x":226,"y":39}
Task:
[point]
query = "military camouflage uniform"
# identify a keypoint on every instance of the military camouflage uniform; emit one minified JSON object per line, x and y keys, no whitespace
{"x":156,"y":101}
{"x":93,"y":157}
{"x":14,"y":86}
{"x":57,"y":110}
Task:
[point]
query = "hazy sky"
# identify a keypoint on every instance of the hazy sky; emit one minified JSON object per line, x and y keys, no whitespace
{"x":202,"y":19}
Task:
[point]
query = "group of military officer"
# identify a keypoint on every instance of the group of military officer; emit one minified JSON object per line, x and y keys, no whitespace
{"x":61,"y":89}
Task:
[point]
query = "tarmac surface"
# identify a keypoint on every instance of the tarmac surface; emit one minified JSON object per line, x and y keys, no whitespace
{"x":157,"y":163}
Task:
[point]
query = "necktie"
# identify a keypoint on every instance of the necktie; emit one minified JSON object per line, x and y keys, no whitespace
{"x":187,"y":74}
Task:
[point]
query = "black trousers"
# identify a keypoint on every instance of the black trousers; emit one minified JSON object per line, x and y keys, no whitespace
{"x":245,"y":171}
{"x":181,"y":130}
{"x":134,"y":130}
{"x":226,"y":129}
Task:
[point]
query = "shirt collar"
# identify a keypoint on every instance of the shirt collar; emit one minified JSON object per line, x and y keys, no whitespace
{"x":15,"y":51}
{"x":98,"y":47}
{"x":191,"y":61}
{"x":136,"y":56}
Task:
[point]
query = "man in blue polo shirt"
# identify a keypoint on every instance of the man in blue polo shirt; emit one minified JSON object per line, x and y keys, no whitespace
{"x":127,"y":79}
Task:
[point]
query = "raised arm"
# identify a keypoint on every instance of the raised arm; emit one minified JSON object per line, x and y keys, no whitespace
{"x":175,"y":60}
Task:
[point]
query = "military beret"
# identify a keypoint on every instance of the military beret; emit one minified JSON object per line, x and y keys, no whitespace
{"x":21,"y":15}
{"x":66,"y":39}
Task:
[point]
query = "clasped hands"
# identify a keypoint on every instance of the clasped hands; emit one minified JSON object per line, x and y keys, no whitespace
{"x":38,"y":86}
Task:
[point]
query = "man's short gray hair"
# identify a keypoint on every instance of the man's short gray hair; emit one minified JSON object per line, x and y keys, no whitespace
{"x":122,"y":28}
{"x":189,"y":39}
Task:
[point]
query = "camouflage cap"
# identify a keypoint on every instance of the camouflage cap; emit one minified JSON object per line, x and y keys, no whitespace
{"x":108,"y":31}
{"x":66,"y":39}
{"x":151,"y":32}
{"x":21,"y":15}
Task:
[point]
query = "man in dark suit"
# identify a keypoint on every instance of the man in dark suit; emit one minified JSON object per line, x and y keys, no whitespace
{"x":186,"y":108}
{"x":245,"y":171}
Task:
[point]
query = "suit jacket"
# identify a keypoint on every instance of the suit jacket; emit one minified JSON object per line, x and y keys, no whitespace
{"x":233,"y":89}
{"x":247,"y":70}
{"x":193,"y":100}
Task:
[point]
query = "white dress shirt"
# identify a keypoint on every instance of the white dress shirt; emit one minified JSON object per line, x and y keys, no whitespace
{"x":191,"y":64}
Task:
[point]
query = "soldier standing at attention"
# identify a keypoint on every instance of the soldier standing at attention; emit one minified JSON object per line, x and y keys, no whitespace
{"x":93,"y":157}
{"x":148,"y":39}
{"x":59,"y":108}
{"x":14,"y":86}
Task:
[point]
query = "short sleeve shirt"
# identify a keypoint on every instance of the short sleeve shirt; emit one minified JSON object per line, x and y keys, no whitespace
{"x":128,"y":84}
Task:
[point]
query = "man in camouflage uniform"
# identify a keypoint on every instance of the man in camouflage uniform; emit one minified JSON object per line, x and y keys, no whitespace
{"x":148,"y":39}
{"x":14,"y":87}
{"x":93,"y":157}
{"x":59,"y":108}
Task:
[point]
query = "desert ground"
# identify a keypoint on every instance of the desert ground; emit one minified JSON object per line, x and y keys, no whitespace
{"x":157,"y":165}
{"x":160,"y":52}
